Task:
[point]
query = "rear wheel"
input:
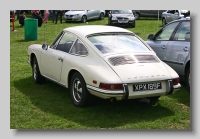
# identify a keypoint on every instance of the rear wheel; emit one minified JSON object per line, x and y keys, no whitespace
{"x":78,"y":91}
{"x":101,"y":16}
{"x":188,"y":79}
{"x":137,"y":16}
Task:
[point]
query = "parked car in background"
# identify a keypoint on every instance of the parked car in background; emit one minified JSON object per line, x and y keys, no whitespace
{"x":121,"y":18}
{"x":84,"y":15}
{"x":106,"y":61}
{"x":172,"y":45}
{"x":148,"y":13}
{"x":171,"y":15}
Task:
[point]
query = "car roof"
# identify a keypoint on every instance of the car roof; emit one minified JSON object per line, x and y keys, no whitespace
{"x":181,"y":19}
{"x":85,"y":30}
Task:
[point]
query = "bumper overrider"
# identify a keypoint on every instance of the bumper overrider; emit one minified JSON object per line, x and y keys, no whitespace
{"x":124,"y":94}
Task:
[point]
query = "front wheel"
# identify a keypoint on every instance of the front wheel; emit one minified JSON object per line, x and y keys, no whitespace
{"x":37,"y":77}
{"x":101,"y":17}
{"x":84,"y":19}
{"x":78,"y":91}
{"x":163,"y":22}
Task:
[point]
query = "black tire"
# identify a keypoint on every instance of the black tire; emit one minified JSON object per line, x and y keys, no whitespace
{"x":154,"y":100}
{"x":133,"y":25}
{"x":188,"y":79}
{"x":137,"y":16}
{"x":101,"y":17}
{"x":37,"y":77}
{"x":78,"y":91}
{"x":163,"y":22}
{"x":84,"y":18}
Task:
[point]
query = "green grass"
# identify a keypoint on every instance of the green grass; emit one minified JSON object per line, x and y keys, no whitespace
{"x":48,"y":106}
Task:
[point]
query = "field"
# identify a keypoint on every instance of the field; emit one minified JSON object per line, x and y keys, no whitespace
{"x":48,"y":106}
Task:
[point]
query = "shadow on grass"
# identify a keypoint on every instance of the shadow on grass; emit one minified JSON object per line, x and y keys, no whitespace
{"x":52,"y":98}
{"x":182,"y":95}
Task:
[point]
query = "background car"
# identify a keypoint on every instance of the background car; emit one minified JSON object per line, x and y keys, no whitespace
{"x":148,"y":13}
{"x":171,"y":15}
{"x":172,"y":45}
{"x":84,"y":15}
{"x":121,"y":18}
{"x":105,"y":61}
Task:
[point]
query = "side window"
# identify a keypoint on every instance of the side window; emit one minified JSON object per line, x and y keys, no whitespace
{"x":183,"y":32}
{"x":56,"y":41}
{"x":66,"y":42}
{"x":78,"y":48}
{"x":166,"y":32}
{"x":171,"y":11}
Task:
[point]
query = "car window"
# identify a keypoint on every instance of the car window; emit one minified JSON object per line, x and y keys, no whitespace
{"x":79,"y":48}
{"x":117,"y":43}
{"x":171,"y":11}
{"x":65,"y":42}
{"x":122,"y":12}
{"x":57,"y":40}
{"x":166,"y":32}
{"x":183,"y":32}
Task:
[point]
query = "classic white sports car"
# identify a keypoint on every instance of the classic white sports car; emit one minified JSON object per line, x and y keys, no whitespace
{"x":106,"y":61}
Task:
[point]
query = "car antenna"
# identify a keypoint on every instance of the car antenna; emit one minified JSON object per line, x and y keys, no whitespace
{"x":44,"y":35}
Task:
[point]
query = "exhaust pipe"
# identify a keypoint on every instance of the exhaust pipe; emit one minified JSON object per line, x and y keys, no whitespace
{"x":113,"y":99}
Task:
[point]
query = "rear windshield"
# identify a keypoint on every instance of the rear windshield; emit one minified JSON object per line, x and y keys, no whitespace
{"x":121,"y":12}
{"x":117,"y":43}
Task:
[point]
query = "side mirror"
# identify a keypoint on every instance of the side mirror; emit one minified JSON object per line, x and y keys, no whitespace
{"x":44,"y":46}
{"x":150,"y":36}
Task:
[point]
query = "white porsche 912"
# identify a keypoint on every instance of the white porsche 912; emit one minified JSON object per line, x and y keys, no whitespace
{"x":105,"y":61}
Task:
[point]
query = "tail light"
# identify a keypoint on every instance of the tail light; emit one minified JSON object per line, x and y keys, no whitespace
{"x":175,"y":81}
{"x":111,"y":86}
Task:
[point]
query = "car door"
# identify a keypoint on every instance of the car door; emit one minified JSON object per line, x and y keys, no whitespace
{"x":52,"y":58}
{"x":161,"y":40}
{"x":178,"y":49}
{"x":91,"y":14}
{"x":176,"y":14}
{"x":170,"y":15}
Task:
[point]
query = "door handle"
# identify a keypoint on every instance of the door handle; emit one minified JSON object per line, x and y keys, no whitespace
{"x":60,"y":59}
{"x":163,"y":47}
{"x":185,"y":49}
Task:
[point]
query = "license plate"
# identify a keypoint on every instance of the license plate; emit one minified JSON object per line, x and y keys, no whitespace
{"x":147,"y":86}
{"x":122,"y":21}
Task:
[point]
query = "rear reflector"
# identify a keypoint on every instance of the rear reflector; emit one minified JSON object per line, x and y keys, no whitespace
{"x":110,"y":86}
{"x":175,"y":81}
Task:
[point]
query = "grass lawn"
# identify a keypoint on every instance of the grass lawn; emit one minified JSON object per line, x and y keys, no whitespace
{"x":48,"y":106}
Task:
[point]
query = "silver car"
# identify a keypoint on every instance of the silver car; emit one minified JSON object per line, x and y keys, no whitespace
{"x":171,"y":15}
{"x":84,"y":15}
{"x":172,"y":45}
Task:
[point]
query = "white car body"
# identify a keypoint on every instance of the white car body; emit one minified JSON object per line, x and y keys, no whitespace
{"x":98,"y":68}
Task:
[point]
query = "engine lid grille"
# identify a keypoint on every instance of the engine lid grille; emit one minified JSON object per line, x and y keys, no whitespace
{"x":121,"y":60}
{"x":126,"y":59}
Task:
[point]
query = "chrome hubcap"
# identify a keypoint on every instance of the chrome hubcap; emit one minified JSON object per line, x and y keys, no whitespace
{"x":34,"y":71}
{"x":77,"y":90}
